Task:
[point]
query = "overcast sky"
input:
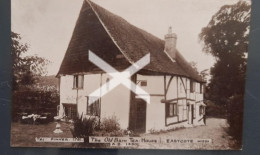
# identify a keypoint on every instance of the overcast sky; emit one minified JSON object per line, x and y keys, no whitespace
{"x":47,"y":25}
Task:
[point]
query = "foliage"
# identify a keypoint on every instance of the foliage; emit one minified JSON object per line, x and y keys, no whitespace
{"x":226,"y":38}
{"x":204,"y":73}
{"x":214,"y":110}
{"x":84,"y":127}
{"x":110,"y":124}
{"x":31,"y":101}
{"x":235,"y":118}
{"x":26,"y":69}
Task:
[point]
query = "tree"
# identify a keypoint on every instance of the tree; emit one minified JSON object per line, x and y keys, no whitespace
{"x":26,"y":69}
{"x":204,"y":73}
{"x":226,"y":38}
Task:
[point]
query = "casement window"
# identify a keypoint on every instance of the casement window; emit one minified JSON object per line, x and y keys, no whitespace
{"x":192,"y":86}
{"x":143,"y":83}
{"x":78,"y":81}
{"x":70,"y":110}
{"x":171,"y":109}
{"x":93,"y":109}
{"x":201,"y":88}
{"x":194,"y":111}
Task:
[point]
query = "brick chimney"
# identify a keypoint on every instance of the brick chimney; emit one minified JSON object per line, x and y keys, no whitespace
{"x":170,"y":43}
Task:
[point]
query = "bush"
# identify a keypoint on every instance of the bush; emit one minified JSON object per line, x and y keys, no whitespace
{"x":83,"y":127}
{"x":41,"y":102}
{"x":110,"y":124}
{"x":214,"y":110}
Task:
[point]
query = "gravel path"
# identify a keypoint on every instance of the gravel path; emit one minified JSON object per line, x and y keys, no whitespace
{"x":213,"y":130}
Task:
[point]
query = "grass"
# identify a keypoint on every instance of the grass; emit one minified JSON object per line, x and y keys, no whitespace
{"x":23,"y":135}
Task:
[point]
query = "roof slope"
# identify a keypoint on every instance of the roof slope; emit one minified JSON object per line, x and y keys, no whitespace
{"x":134,"y":43}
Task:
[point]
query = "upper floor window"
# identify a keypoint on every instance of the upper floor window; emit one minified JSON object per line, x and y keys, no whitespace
{"x":201,"y":88}
{"x":143,"y":83}
{"x":78,"y":81}
{"x":192,"y":86}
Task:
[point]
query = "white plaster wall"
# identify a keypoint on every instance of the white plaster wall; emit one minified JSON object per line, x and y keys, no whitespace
{"x":181,"y":87}
{"x":155,"y":84}
{"x":155,"y":112}
{"x":117,"y":103}
{"x":67,"y":95}
{"x":73,"y":96}
{"x":172,"y":91}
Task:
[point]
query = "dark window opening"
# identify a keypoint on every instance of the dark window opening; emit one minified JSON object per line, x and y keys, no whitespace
{"x":171,"y":109}
{"x":93,"y":109}
{"x":70,"y":110}
{"x":78,"y":81}
{"x":143,"y":83}
{"x":192,"y":86}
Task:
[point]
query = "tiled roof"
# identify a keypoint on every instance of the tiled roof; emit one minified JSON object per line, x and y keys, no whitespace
{"x":132,"y":42}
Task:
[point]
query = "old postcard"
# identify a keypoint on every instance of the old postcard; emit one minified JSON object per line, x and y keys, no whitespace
{"x":129,"y":74}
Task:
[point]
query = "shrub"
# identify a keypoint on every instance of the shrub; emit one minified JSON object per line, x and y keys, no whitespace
{"x":31,"y":101}
{"x":83,"y":127}
{"x":110,"y":124}
{"x":214,"y":110}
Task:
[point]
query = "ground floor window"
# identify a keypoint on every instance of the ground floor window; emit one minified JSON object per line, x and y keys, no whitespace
{"x":70,"y":110}
{"x":202,"y":110}
{"x":93,"y":109}
{"x":194,"y":111}
{"x":171,"y":109}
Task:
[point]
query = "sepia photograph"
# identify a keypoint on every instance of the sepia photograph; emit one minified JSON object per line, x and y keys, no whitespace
{"x":129,"y":74}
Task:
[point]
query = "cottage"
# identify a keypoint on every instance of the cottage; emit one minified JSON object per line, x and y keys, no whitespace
{"x":175,"y":88}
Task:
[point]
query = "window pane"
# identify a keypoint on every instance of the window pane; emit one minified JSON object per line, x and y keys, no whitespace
{"x":93,"y":109}
{"x":80,"y":81}
{"x":144,"y":83}
{"x":171,"y":110}
{"x":175,"y":109}
{"x":75,"y":81}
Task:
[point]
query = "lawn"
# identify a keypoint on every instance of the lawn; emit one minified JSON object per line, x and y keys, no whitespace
{"x":23,"y":135}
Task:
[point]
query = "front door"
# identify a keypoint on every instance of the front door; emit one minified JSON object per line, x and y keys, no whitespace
{"x":140,"y":124}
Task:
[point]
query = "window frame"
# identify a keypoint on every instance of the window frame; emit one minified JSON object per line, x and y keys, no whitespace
{"x":77,"y":84}
{"x":70,"y":110}
{"x":143,"y":83}
{"x":96,"y":104}
{"x":174,"y":109}
{"x":192,"y":86}
{"x":201,"y":88}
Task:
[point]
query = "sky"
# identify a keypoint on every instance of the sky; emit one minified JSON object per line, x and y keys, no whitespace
{"x":47,"y":25}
